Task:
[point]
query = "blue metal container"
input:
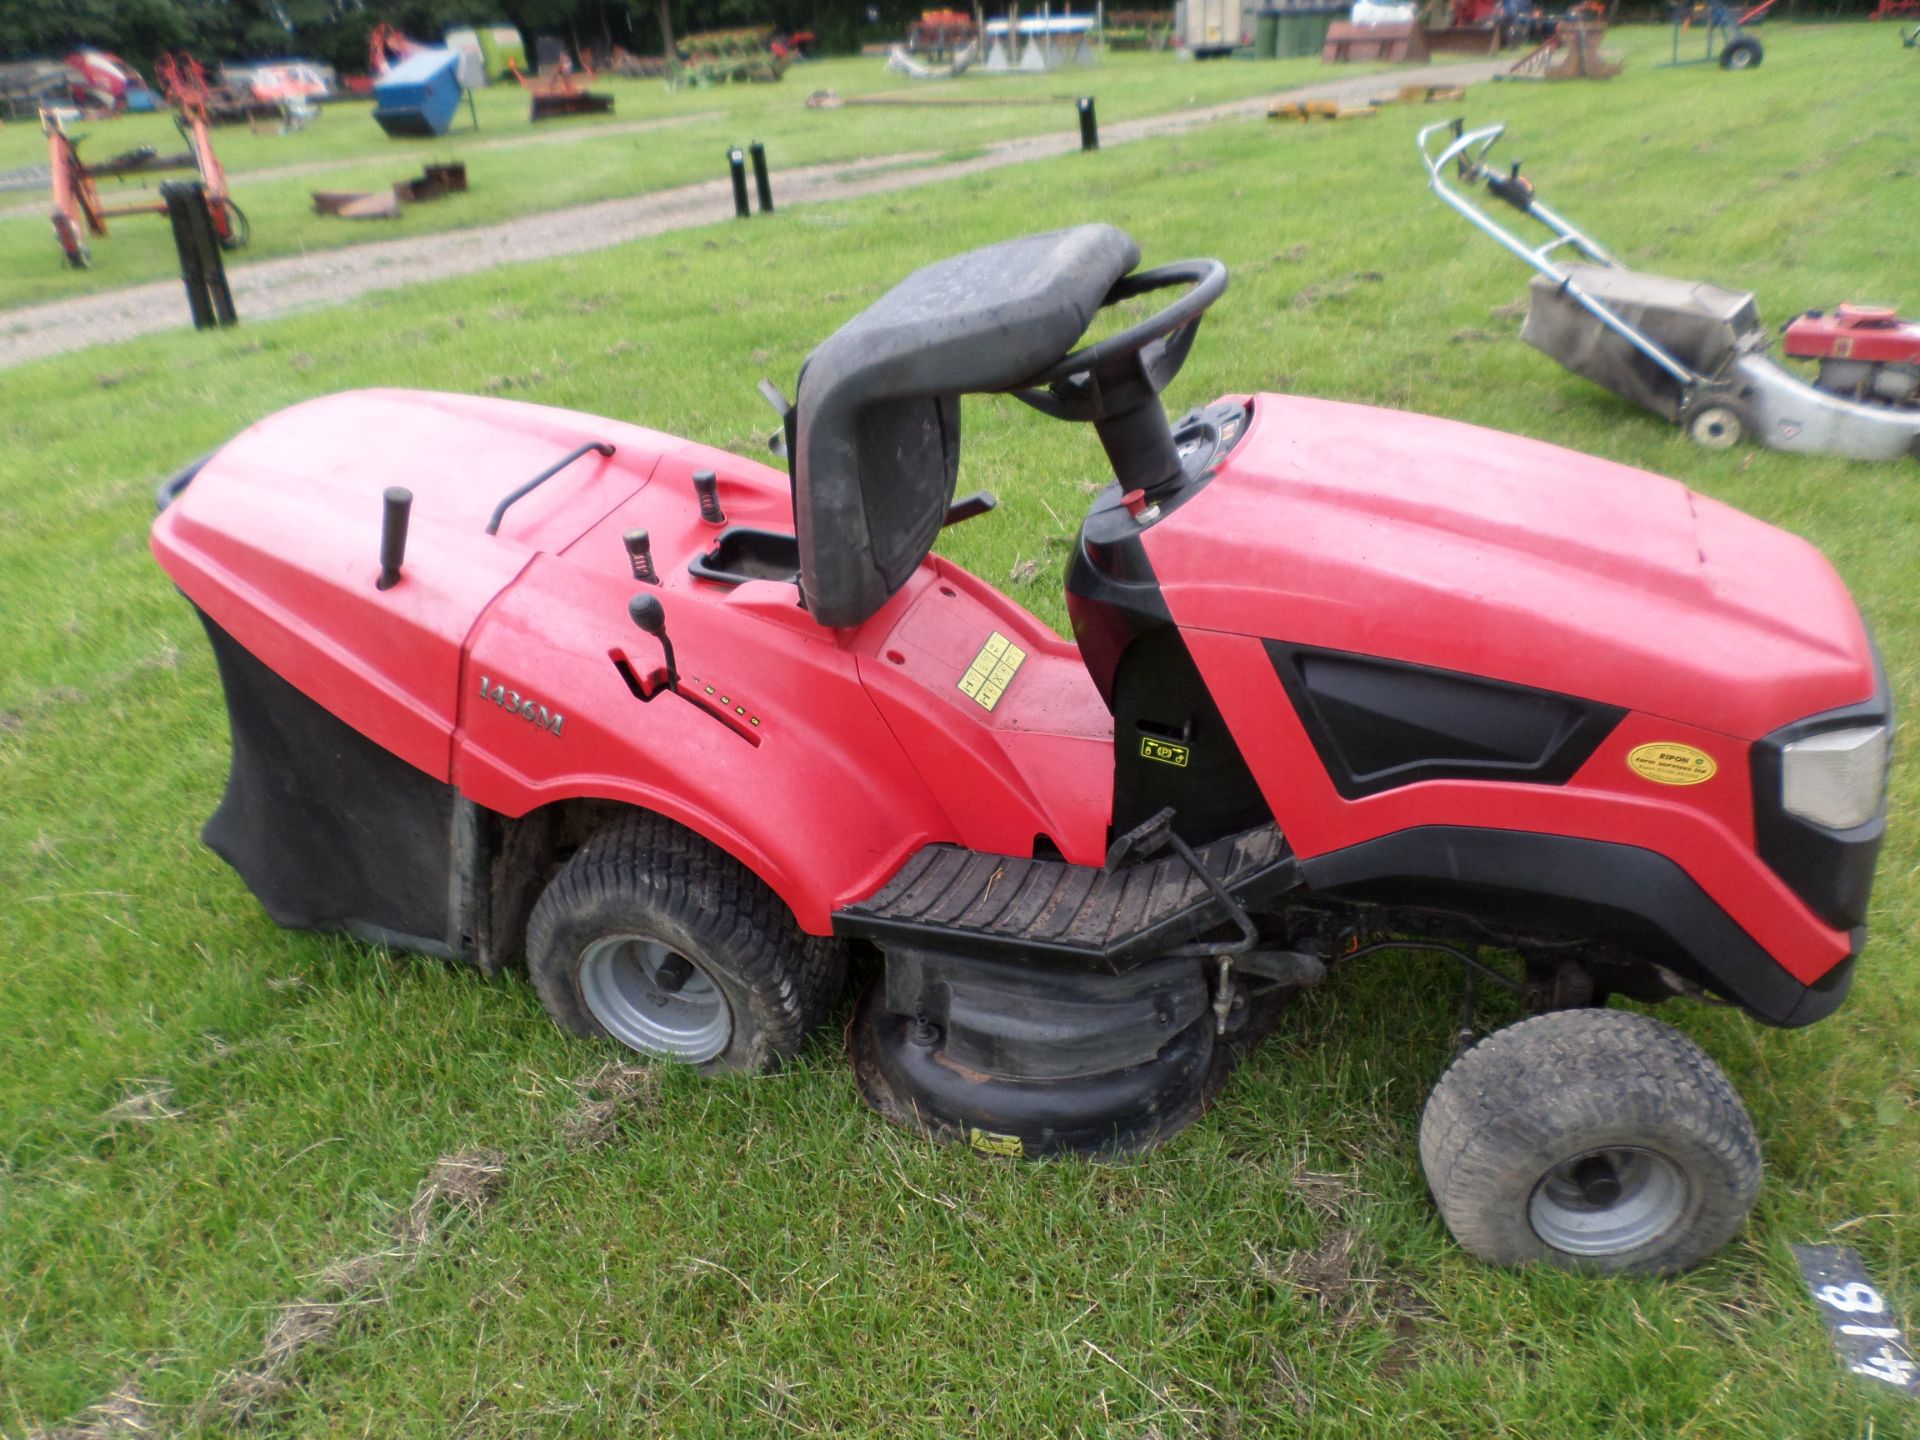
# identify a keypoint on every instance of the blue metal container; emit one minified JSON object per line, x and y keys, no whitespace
{"x":420,"y":95}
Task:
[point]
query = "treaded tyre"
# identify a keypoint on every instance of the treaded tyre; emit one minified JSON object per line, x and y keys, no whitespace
{"x":1591,"y":1139}
{"x":656,"y":938}
{"x":1741,"y":54}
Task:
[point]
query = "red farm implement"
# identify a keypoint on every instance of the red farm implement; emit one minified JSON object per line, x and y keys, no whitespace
{"x":561,"y":92}
{"x":78,"y":210}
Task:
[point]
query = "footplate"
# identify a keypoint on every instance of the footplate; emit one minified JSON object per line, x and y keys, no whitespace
{"x":971,"y":903}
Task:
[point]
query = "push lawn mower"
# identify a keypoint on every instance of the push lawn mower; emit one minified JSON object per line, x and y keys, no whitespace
{"x":686,"y":731}
{"x":1689,"y":351}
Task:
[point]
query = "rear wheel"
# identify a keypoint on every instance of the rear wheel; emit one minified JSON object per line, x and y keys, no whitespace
{"x":1592,"y":1139}
{"x":655,"y":938}
{"x":1717,"y":427}
{"x":1741,"y":54}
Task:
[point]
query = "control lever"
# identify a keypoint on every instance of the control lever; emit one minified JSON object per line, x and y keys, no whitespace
{"x":650,"y":615}
{"x":706,"y":487}
{"x":968,"y":507}
{"x":781,"y":441}
{"x":639,"y":547}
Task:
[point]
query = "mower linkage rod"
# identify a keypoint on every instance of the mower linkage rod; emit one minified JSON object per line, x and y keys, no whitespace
{"x":1473,"y":963}
{"x":1469,"y":151}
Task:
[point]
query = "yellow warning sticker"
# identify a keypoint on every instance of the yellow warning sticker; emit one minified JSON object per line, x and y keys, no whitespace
{"x":992,"y":671}
{"x":988,"y":1143}
{"x":1165,"y":751}
{"x":1668,"y":762}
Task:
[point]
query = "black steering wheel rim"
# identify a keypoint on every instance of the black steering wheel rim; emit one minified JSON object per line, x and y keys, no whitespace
{"x":1206,"y":282}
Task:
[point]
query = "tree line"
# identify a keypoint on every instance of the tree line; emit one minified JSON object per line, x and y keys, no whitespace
{"x":336,"y":30}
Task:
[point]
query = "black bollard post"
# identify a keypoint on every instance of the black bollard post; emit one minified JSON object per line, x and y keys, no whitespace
{"x":761,"y":183}
{"x":202,"y":269}
{"x":737,"y":163}
{"x":1089,"y":126}
{"x":177,"y":195}
{"x":213,"y":262}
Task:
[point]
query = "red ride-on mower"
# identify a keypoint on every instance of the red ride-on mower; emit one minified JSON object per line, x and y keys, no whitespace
{"x":684,"y":729}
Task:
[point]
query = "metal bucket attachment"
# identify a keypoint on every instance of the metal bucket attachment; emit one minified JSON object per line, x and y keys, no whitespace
{"x":1703,"y":326}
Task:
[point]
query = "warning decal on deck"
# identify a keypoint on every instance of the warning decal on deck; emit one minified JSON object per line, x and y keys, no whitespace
{"x":992,"y":671}
{"x":989,"y":1143}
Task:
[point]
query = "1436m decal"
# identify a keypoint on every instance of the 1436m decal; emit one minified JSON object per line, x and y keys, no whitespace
{"x":515,"y":703}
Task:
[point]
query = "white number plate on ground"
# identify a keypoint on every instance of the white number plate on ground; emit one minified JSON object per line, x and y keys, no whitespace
{"x":1865,"y":1330}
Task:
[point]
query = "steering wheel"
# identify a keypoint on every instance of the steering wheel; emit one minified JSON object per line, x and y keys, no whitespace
{"x":1113,"y":375}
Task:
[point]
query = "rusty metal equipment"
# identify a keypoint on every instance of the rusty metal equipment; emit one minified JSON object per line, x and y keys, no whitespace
{"x":78,"y":211}
{"x":1572,"y":52}
{"x":1395,"y":44}
{"x":560,"y":92}
{"x":183,"y":84}
{"x":436,"y":180}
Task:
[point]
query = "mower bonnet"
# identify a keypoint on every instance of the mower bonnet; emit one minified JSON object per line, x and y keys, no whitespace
{"x":877,"y":430}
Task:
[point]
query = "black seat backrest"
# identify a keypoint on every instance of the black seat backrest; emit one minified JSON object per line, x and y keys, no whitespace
{"x":877,"y":426}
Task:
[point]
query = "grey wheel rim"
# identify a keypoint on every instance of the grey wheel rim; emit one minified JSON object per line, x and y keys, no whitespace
{"x":1608,"y":1201}
{"x":652,"y":999}
{"x":1716,"y":428}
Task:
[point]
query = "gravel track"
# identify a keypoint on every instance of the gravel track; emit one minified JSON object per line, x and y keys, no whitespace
{"x":268,"y":288}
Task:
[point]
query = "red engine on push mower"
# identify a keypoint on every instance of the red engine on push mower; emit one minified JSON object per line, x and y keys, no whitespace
{"x":686,"y":732}
{"x":1866,"y":352}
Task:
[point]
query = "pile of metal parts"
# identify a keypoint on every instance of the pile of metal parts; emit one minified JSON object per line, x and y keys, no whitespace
{"x":435,"y":181}
{"x":1692,"y":352}
{"x":1571,"y":52}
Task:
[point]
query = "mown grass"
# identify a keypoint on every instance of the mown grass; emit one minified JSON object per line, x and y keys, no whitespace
{"x":597,"y":162}
{"x":762,"y":1257}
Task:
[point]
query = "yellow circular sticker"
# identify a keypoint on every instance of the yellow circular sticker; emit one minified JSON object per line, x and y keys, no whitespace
{"x":1668,"y":762}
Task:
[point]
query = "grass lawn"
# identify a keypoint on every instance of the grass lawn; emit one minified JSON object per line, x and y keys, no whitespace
{"x":598,"y":162}
{"x":766,"y":1256}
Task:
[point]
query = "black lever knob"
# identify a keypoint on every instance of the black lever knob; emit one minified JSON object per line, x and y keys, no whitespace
{"x":707,"y":486}
{"x":640,"y":555}
{"x":650,"y":615}
{"x":397,"y":505}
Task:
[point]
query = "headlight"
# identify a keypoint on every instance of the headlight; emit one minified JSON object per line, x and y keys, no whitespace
{"x":1837,"y":777}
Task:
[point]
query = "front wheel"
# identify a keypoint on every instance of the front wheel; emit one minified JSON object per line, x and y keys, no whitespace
{"x":655,"y":938}
{"x":1741,"y":54}
{"x":1590,"y":1139}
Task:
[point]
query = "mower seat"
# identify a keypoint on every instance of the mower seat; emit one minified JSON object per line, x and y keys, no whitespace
{"x":877,"y":422}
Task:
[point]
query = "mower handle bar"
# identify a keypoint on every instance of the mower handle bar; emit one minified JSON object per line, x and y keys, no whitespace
{"x":1466,"y":155}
